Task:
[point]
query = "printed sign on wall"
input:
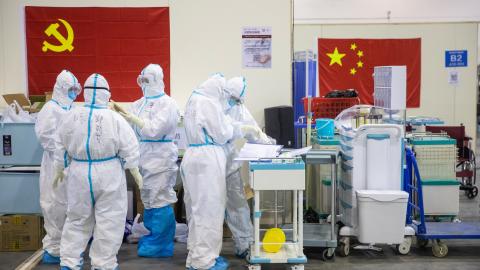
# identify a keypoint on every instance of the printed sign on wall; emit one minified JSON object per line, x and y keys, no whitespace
{"x":257,"y":47}
{"x":456,"y":58}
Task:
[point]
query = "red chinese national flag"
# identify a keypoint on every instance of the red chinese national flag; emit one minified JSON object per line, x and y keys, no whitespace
{"x":349,"y":63}
{"x":115,"y":42}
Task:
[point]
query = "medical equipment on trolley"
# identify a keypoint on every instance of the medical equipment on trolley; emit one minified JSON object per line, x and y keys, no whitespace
{"x":426,"y":231}
{"x":436,"y":156}
{"x":321,"y":197}
{"x":278,"y":174}
{"x":372,"y":204}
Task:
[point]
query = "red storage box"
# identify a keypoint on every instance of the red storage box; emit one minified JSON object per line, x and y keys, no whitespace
{"x":329,"y":107}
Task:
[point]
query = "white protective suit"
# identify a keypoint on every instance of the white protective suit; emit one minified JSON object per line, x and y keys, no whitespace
{"x":101,"y":144}
{"x":203,"y":172}
{"x":238,"y":211}
{"x":53,"y":201}
{"x":158,"y":152}
{"x":159,"y":116}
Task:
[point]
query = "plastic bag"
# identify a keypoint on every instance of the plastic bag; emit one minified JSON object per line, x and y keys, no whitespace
{"x":15,"y":114}
{"x":137,"y":231}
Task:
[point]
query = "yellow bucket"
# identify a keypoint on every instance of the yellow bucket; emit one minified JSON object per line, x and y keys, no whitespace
{"x":273,"y":240}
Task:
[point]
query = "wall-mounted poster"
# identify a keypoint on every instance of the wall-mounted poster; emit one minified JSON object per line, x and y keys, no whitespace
{"x":257,"y":47}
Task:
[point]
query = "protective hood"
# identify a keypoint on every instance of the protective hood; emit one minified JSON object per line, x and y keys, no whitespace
{"x":151,"y":80}
{"x":214,"y":88}
{"x":65,"y":81}
{"x":96,"y":91}
{"x":236,"y":88}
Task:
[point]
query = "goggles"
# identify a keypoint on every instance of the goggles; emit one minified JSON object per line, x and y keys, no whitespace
{"x":76,"y":88}
{"x":234,"y":101}
{"x":144,"y":79}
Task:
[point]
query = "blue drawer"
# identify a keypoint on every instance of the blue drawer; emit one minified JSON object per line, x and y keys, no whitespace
{"x":19,"y":193}
{"x":19,"y":145}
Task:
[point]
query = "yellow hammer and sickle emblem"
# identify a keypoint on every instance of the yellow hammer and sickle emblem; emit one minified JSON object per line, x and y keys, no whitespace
{"x":66,"y":43}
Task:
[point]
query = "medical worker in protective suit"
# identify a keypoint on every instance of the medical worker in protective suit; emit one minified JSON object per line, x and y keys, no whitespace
{"x":53,"y":201}
{"x":154,"y":118}
{"x":207,"y":129}
{"x":237,"y":209}
{"x":101,"y":145}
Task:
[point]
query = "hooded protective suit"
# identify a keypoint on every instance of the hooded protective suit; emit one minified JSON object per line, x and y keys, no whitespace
{"x":158,"y":162}
{"x":203,"y":172}
{"x":53,"y":201}
{"x":238,"y":211}
{"x":101,"y":144}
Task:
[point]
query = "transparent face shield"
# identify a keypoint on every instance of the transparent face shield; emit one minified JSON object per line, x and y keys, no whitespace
{"x":74,"y":91}
{"x":233,"y":101}
{"x":144,"y":80}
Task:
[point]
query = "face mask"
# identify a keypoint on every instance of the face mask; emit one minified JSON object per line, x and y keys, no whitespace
{"x":72,"y":95}
{"x":232,"y":102}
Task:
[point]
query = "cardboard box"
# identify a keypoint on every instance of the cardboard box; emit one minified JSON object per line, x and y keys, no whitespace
{"x":20,"y":98}
{"x":21,"y":232}
{"x":48,"y":96}
{"x":32,"y":105}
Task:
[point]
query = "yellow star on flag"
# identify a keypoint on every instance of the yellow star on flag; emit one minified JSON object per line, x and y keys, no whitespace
{"x":353,"y":71}
{"x":336,"y":57}
{"x":353,"y":46}
{"x":360,"y":53}
{"x":359,"y":64}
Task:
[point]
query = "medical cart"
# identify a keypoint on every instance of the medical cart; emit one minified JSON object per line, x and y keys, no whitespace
{"x":324,"y":233}
{"x":436,"y":157}
{"x":433,"y":231}
{"x":20,"y":161}
{"x":370,"y":181}
{"x":318,"y":188}
{"x":278,"y":175}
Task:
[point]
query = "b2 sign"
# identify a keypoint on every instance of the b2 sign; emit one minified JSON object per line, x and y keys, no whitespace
{"x":456,"y":58}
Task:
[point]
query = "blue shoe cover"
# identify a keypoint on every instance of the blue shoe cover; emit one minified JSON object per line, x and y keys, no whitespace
{"x":64,"y":268}
{"x":220,"y":264}
{"x":50,"y":259}
{"x":161,"y":224}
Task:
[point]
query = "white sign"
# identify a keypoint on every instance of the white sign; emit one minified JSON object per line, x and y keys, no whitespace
{"x":453,"y":78}
{"x":257,"y":47}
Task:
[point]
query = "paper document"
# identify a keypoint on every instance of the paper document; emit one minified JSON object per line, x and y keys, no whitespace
{"x":251,"y":151}
{"x":296,"y":152}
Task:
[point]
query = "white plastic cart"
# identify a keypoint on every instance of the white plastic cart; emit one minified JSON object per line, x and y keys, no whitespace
{"x":278,"y":175}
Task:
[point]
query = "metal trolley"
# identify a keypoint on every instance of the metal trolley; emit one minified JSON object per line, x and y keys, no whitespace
{"x":323,"y":234}
{"x":431,"y":231}
{"x":278,"y":175}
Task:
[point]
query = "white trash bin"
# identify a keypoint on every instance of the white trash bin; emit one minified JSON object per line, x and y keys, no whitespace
{"x":381,"y":216}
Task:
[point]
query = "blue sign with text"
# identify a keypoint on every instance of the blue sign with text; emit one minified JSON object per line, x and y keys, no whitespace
{"x":456,"y":58}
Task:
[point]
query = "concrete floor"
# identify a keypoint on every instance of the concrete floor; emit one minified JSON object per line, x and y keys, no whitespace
{"x":462,"y":255}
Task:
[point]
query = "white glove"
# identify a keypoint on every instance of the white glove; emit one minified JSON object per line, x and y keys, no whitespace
{"x":264,"y":138}
{"x":59,"y":175}
{"x":250,"y":130}
{"x":117,"y":107}
{"x":137,"y":177}
{"x":133,"y":119}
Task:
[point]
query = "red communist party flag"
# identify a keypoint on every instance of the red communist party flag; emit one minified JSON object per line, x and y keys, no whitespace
{"x":349,"y":63}
{"x":115,"y":42}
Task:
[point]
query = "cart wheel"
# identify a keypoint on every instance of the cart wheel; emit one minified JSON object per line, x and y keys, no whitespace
{"x":404,"y":247}
{"x":439,"y":249}
{"x":472,"y":193}
{"x":254,"y":267}
{"x":297,"y":267}
{"x":328,"y":254}
{"x":344,"y":248}
{"x":422,"y":243}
